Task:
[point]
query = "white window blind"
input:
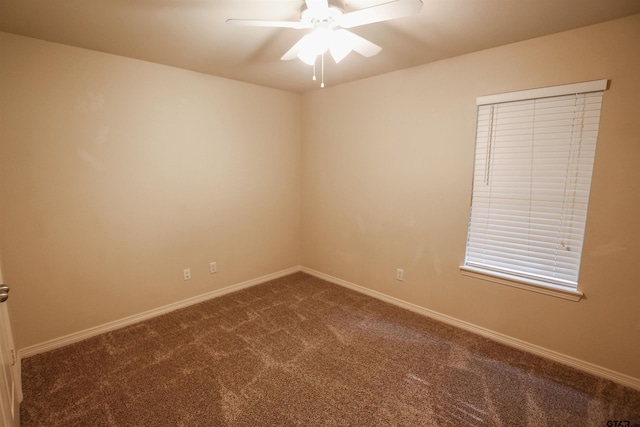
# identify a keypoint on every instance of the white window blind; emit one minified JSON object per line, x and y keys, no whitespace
{"x":532,"y":176}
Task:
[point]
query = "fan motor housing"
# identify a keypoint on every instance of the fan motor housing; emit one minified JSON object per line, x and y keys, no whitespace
{"x":335,"y":8}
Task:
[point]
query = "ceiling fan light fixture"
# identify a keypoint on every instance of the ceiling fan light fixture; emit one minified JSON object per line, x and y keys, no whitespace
{"x":338,"y":53}
{"x":307,"y":57}
{"x":314,"y":44}
{"x":341,"y":45}
{"x":319,"y":40}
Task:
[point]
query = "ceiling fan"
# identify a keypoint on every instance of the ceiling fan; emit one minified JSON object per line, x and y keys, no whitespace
{"x":328,"y":21}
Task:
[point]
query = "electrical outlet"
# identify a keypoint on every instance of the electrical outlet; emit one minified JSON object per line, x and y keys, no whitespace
{"x":213,"y":267}
{"x":399,"y":274}
{"x":187,"y":273}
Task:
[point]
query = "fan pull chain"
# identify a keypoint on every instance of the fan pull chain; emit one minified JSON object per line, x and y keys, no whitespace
{"x":322,"y":83}
{"x":321,"y":70}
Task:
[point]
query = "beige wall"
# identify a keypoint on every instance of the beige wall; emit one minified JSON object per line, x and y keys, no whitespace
{"x":117,"y":174}
{"x":387,"y":166}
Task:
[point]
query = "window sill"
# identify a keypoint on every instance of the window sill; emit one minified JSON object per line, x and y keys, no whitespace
{"x":521,"y":283}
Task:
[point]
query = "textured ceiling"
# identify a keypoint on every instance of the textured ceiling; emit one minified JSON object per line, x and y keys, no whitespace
{"x":192,"y":34}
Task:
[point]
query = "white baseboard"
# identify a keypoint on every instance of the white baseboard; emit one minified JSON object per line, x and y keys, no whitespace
{"x":625,"y":380}
{"x":130,"y":320}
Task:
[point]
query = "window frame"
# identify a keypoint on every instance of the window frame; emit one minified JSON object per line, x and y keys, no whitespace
{"x":515,"y":280}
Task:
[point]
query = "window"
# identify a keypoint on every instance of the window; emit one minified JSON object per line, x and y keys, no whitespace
{"x":532,"y":174}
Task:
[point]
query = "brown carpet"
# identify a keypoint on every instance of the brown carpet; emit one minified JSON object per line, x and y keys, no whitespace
{"x":301,"y":351}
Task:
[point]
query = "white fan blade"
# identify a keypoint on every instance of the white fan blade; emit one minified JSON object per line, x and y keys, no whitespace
{"x":339,"y":52}
{"x":341,"y":44}
{"x":363,"y":46}
{"x":317,"y":4}
{"x":295,"y":49}
{"x":383,"y":12}
{"x":278,"y":24}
